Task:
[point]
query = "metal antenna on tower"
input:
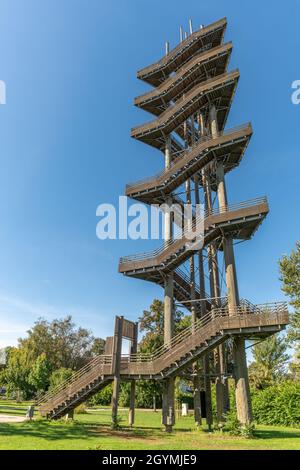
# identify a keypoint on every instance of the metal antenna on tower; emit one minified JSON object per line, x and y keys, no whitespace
{"x":167,"y":47}
{"x":181,"y":33}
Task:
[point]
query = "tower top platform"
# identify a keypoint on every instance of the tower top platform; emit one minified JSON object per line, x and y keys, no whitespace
{"x":201,"y":40}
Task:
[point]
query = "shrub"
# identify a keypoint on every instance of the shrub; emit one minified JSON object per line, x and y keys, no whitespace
{"x":235,"y":428}
{"x":124,"y":396}
{"x":278,"y":405}
{"x":232,"y":424}
{"x":81,"y":409}
{"x":102,"y":398}
{"x":59,"y":376}
{"x":116,"y":424}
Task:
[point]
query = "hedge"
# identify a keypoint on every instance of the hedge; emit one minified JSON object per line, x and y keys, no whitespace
{"x":278,"y":405}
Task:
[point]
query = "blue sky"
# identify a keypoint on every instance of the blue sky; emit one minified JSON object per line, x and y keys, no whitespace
{"x":70,"y":71}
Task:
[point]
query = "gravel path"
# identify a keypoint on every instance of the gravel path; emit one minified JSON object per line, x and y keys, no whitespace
{"x":11,"y":419}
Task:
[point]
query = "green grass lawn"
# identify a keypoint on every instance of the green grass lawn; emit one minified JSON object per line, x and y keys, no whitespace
{"x":13,"y":408}
{"x":92,"y":431}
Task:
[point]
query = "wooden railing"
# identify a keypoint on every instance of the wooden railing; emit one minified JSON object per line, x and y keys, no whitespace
{"x":187,"y":279}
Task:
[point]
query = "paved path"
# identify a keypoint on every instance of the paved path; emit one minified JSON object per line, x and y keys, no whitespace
{"x":11,"y":419}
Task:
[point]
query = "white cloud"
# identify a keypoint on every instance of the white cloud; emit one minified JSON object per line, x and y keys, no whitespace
{"x":17,"y":316}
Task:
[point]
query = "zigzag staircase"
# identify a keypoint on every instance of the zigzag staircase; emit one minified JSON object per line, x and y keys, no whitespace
{"x":190,"y":103}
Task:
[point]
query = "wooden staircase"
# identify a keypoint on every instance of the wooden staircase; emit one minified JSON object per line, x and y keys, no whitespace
{"x":89,"y":380}
{"x":240,"y":220}
{"x":209,"y":331}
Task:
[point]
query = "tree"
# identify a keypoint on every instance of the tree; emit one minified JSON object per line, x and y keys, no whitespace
{"x":17,"y":373}
{"x":290,"y":277}
{"x":98,"y":347}
{"x":49,"y":346}
{"x":63,"y":344}
{"x":270,"y":359}
{"x":152,"y":323}
{"x":39,"y":374}
{"x":278,"y":405}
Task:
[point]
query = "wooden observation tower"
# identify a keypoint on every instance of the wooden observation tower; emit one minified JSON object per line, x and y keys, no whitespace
{"x":191,"y":98}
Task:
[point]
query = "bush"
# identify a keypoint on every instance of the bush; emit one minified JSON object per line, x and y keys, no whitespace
{"x":116,"y":424}
{"x":102,"y":398}
{"x":278,"y":405}
{"x":124,"y":396}
{"x":235,"y":428}
{"x":232,"y":424}
{"x":81,"y":409}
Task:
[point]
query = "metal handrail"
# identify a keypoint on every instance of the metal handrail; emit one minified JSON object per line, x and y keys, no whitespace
{"x":216,"y":211}
{"x":182,"y":154}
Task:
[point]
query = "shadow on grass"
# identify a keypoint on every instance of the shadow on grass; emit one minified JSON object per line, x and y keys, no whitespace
{"x":126,"y":433}
{"x":276,"y":434}
{"x":44,"y":430}
{"x":138,"y":428}
{"x":59,"y":430}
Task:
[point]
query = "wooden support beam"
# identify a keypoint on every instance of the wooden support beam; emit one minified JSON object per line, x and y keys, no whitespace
{"x":116,"y":364}
{"x":131,"y":414}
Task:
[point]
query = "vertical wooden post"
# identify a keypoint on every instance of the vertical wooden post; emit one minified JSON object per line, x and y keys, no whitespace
{"x":196,"y":380}
{"x":206,"y":362}
{"x":207,"y":388}
{"x":242,"y":388}
{"x":131,"y":415}
{"x":168,"y":414}
{"x":197,"y":396}
{"x":168,"y":402}
{"x":116,"y":364}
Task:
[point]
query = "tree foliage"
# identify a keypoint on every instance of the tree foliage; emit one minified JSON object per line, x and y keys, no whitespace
{"x":269,"y":363}
{"x":50,"y":347}
{"x":16,"y":374}
{"x":152,"y":324}
{"x":102,"y":398}
{"x":59,"y":376}
{"x":63,"y":344}
{"x":290,"y":277}
{"x":39,"y":373}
